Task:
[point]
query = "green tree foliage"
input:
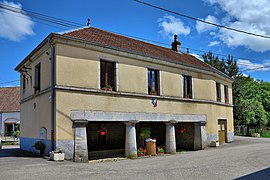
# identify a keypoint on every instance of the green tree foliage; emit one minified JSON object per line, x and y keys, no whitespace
{"x":251,"y":98}
{"x":228,"y":67}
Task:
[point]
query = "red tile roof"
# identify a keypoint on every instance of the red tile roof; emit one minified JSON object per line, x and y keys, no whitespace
{"x":9,"y":99}
{"x":120,"y":42}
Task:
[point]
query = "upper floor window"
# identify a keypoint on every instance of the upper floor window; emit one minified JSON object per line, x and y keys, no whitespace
{"x":37,"y":78}
{"x":23,"y":82}
{"x":218,"y":90}
{"x":153,"y":82}
{"x":187,"y":87}
{"x":107,"y":75}
{"x":226,"y":94}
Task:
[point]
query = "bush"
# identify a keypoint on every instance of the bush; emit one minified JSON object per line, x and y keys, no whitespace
{"x":265,"y":133}
{"x":40,"y":146}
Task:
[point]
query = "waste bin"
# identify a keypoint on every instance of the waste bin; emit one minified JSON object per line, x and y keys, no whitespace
{"x":151,"y":148}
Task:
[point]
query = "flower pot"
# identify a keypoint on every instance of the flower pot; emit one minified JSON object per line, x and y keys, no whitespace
{"x":57,"y":156}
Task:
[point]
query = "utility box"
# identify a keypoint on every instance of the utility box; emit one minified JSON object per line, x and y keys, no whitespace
{"x":151,"y":148}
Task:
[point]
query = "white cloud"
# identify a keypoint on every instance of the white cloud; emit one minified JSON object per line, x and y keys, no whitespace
{"x":252,"y":16}
{"x":171,"y":25}
{"x":213,"y":43}
{"x":248,"y":66}
{"x":14,"y":26}
{"x":202,"y":27}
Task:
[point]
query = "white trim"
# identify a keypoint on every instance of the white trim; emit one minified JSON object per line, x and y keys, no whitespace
{"x":98,"y":83}
{"x":182,"y":79}
{"x":192,"y":87}
{"x":146,"y":80}
{"x":117,"y":76}
{"x":160,"y":81}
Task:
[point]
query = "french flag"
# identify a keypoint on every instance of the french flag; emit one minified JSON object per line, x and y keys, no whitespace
{"x":154,"y":102}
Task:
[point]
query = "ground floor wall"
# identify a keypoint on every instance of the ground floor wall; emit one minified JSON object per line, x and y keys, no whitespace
{"x":35,"y":123}
{"x":69,"y":101}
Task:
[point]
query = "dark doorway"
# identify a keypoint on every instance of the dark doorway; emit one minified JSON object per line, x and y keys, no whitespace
{"x":184,"y":136}
{"x":157,"y":131}
{"x":105,"y":139}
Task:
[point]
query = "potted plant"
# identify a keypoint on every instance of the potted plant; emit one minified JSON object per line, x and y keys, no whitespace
{"x":40,"y":146}
{"x":153,"y":92}
{"x":57,"y":155}
{"x":107,"y":88}
{"x":145,"y":133}
{"x":160,"y":150}
{"x":141,"y":151}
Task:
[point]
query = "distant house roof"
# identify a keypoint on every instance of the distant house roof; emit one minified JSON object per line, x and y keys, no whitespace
{"x":131,"y":45}
{"x":9,"y":99}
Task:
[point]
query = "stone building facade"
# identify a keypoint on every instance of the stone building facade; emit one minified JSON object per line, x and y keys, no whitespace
{"x":89,"y":91}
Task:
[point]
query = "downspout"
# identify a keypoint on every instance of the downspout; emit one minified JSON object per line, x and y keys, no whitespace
{"x":52,"y":94}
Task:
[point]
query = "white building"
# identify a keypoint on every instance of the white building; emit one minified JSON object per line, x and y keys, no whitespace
{"x":9,"y":109}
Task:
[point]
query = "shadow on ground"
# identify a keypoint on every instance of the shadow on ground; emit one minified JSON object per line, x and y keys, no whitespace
{"x":16,"y":152}
{"x":259,"y":175}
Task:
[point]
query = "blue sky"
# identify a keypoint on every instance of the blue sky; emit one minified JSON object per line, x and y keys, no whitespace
{"x":19,"y":36}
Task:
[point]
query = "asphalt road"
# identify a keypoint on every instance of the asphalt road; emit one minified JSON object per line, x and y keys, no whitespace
{"x":245,"y":158}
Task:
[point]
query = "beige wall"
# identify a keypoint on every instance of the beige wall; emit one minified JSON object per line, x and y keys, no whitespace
{"x":132,"y":79}
{"x":79,"y":67}
{"x":204,"y":89}
{"x":67,"y":101}
{"x":45,"y":63}
{"x":171,"y":84}
{"x":32,"y":119}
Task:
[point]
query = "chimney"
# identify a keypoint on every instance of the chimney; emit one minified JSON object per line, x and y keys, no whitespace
{"x":176,"y":44}
{"x":88,"y":22}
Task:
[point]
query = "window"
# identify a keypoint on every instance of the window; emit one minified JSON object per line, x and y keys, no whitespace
{"x":37,"y":78}
{"x":23,"y":82}
{"x":226,"y":94}
{"x":153,"y":82}
{"x":187,"y":87}
{"x":218,"y":92}
{"x":107,"y":75}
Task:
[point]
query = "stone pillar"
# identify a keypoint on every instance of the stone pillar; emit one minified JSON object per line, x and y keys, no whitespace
{"x":131,"y":143}
{"x":170,"y":146}
{"x":80,"y":141}
{"x":199,"y":136}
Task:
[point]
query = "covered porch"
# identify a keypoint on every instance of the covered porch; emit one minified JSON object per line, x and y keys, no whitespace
{"x":164,"y":126}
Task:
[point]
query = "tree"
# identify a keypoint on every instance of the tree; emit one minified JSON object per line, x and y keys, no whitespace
{"x":251,"y":98}
{"x":232,"y":69}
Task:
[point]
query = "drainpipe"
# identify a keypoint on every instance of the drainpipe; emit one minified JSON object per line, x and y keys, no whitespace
{"x":52,"y":94}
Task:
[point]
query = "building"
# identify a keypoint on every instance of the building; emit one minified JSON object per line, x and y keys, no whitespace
{"x":9,"y":110}
{"x":88,"y":91}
